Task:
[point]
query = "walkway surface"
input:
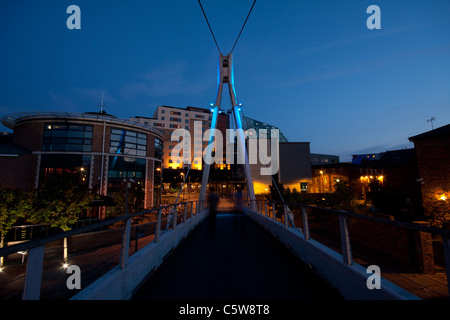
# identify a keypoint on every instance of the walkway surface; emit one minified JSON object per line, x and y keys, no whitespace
{"x":233,"y":258}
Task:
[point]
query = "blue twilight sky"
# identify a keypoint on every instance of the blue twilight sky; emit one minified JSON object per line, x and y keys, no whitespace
{"x":310,"y":67}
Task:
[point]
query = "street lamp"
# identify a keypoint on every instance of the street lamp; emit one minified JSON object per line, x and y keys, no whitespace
{"x":128,"y":185}
{"x":182,"y":178}
{"x":160,"y":185}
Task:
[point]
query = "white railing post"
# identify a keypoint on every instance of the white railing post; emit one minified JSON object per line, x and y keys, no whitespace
{"x":345,"y":240}
{"x":305,"y":223}
{"x":185,"y":211}
{"x":265,"y":202}
{"x":175,"y":217}
{"x":124,"y":253}
{"x":286,"y":222}
{"x":33,"y":275}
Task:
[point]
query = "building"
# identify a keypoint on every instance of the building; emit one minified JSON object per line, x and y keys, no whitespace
{"x":358,"y":158}
{"x":317,"y":158}
{"x":433,"y":159}
{"x":168,"y":119}
{"x":104,"y":149}
{"x":388,"y":181}
{"x":249,"y":123}
{"x":295,"y":166}
{"x":325,"y":177}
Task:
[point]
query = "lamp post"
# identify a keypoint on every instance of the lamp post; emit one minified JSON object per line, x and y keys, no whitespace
{"x":160,"y":185}
{"x":128,"y":185}
{"x":182,"y":178}
{"x":321,"y":181}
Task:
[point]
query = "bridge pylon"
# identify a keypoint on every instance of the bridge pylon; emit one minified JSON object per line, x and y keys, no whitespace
{"x":226,"y":76}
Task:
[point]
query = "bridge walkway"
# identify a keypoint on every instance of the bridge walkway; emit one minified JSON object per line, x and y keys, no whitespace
{"x":233,"y":258}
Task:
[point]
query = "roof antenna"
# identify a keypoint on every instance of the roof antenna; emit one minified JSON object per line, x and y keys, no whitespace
{"x":101,"y":104}
{"x":431,"y":120}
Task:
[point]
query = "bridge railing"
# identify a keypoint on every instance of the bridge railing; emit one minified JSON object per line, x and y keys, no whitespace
{"x":414,"y":256}
{"x":39,"y":268}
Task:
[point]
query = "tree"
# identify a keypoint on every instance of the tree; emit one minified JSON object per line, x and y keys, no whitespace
{"x":60,"y":201}
{"x":343,"y":198}
{"x":14,"y":205}
{"x":438,"y":208}
{"x":136,"y":196}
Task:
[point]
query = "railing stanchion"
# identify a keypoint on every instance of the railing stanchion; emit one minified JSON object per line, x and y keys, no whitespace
{"x":125,"y":244}
{"x":265,"y":213}
{"x":175,"y":217}
{"x":158,"y":226}
{"x":345,"y":240}
{"x":33,"y":275}
{"x":185,"y":211}
{"x":286,"y":221}
{"x":305,"y":223}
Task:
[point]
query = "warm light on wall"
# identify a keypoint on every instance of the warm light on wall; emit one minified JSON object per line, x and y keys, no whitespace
{"x":368,"y":179}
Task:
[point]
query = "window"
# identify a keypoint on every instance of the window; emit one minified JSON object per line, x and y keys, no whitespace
{"x":163,"y":111}
{"x":175,"y":113}
{"x":123,"y":167}
{"x":175,"y":126}
{"x":128,"y":142}
{"x":67,"y":137}
{"x":78,"y":165}
{"x":158,"y":148}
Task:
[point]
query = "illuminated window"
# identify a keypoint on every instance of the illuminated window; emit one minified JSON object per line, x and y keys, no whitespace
{"x":67,"y":137}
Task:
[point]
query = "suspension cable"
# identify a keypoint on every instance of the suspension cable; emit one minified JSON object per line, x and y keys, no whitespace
{"x":210,"y":29}
{"x":243,"y":25}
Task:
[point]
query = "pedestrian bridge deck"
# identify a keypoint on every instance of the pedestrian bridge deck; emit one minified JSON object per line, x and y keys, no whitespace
{"x":233,"y":259}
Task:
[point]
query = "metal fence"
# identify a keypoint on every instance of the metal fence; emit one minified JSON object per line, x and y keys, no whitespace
{"x":413,"y":256}
{"x":37,"y":269}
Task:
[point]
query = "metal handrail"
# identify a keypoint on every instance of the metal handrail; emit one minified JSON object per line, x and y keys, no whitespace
{"x":344,"y":229}
{"x":412,"y":226}
{"x":35,"y":248}
{"x":58,"y":236}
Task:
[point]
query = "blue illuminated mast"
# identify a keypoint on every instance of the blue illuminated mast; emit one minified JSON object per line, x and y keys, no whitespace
{"x":226,"y":76}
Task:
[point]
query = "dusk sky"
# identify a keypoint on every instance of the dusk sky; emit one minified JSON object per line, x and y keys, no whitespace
{"x":310,"y":67}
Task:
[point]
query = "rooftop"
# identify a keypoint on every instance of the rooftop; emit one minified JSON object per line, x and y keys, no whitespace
{"x":11,"y":120}
{"x":441,"y":131}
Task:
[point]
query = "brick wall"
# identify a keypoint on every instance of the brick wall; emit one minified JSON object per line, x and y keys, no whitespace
{"x":433,"y":157}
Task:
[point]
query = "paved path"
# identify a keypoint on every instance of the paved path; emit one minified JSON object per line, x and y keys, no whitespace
{"x":233,"y":259}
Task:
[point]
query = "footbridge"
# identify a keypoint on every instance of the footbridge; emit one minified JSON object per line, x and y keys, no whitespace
{"x":278,"y":251}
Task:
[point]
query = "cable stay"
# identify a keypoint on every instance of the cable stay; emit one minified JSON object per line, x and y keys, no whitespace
{"x":226,"y":76}
{"x":240,"y":32}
